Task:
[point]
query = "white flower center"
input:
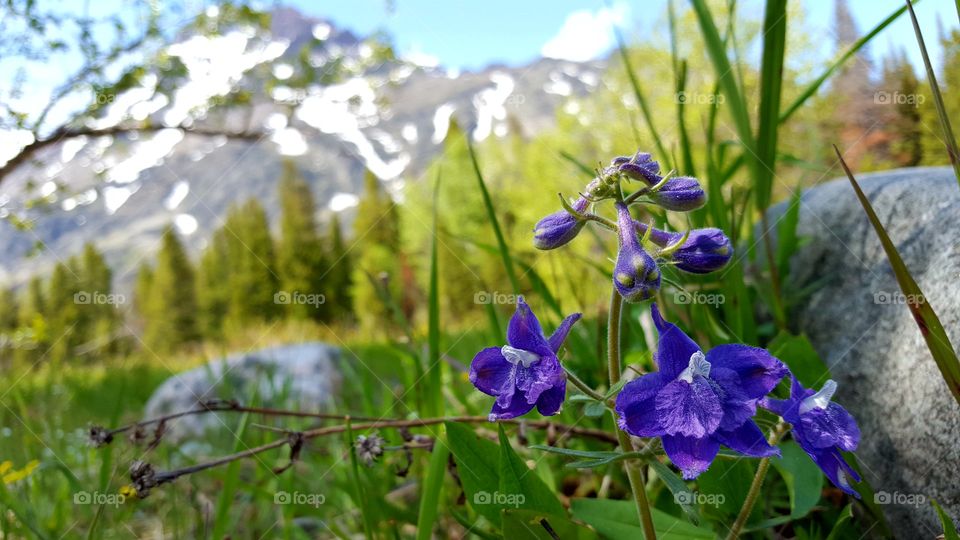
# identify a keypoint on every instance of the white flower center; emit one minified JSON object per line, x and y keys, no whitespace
{"x":820,"y":400}
{"x":519,"y":356}
{"x":698,"y":366}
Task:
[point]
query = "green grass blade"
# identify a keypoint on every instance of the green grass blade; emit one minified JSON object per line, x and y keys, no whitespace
{"x":494,"y":222}
{"x":725,"y":74}
{"x":641,"y":100}
{"x":368,"y":525}
{"x":230,"y":483}
{"x":771,"y":86}
{"x":949,"y":139}
{"x":949,"y":531}
{"x":432,"y":486}
{"x":434,"y":365}
{"x":930,"y":327}
{"x":849,"y":53}
{"x":581,"y":166}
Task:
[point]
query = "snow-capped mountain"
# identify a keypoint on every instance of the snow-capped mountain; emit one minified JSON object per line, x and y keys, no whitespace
{"x":390,"y":118}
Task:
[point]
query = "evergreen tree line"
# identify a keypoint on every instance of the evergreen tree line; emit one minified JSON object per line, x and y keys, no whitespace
{"x":73,"y":312}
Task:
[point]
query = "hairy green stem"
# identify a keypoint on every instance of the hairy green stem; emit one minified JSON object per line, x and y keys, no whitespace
{"x":634,"y":474}
{"x":584,"y":387}
{"x":755,"y":486}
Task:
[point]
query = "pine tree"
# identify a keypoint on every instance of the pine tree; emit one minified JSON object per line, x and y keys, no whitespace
{"x":376,"y":272}
{"x":141,"y":292}
{"x":102,"y":309}
{"x":253,"y":280}
{"x":213,"y":289}
{"x":300,"y":257}
{"x":903,"y":90}
{"x":338,"y":273}
{"x":948,"y":78}
{"x":66,"y":322}
{"x":171,"y":305}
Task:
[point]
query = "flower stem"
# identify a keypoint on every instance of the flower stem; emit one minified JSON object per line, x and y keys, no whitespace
{"x":634,"y":474}
{"x":584,"y":387}
{"x":775,"y":435}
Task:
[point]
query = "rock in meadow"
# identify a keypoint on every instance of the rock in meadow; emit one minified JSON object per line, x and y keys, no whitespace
{"x":301,"y":376}
{"x":858,"y":321}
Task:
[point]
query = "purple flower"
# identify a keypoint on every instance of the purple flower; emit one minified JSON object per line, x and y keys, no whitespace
{"x":822,"y":429}
{"x":639,"y":167}
{"x":635,"y":274}
{"x":697,"y":402}
{"x":680,"y":194}
{"x":558,"y":228}
{"x":524,"y":372}
{"x":705,"y":250}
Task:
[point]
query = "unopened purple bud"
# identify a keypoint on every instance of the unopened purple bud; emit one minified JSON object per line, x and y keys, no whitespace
{"x":559,"y":228}
{"x":705,"y":251}
{"x":635,"y":275}
{"x":680,"y":194}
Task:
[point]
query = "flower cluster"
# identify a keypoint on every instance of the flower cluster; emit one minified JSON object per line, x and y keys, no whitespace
{"x":695,"y":402}
{"x":642,"y":248}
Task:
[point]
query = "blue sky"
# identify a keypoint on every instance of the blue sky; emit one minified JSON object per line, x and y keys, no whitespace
{"x":470,"y":34}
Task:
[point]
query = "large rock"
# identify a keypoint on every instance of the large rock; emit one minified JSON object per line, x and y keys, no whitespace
{"x":302,"y":376}
{"x":858,"y":322}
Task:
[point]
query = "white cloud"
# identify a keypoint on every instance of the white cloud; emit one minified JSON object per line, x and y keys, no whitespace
{"x":585,"y":34}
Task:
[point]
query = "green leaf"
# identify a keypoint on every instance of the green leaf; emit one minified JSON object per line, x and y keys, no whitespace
{"x":844,"y":527}
{"x":798,"y":354}
{"x":949,"y":530}
{"x":523,"y":524}
{"x":930,"y":326}
{"x":434,"y":367}
{"x":478,"y":466}
{"x":432,"y":485}
{"x":522,"y":484}
{"x":728,"y":482}
{"x":618,"y":520}
{"x":682,"y":494}
{"x":802,"y":476}
{"x":594,"y":409}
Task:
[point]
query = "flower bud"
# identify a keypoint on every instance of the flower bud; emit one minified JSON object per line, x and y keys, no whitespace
{"x":680,"y":194}
{"x":705,"y":251}
{"x":641,"y":167}
{"x":635,"y":275}
{"x":559,"y":228}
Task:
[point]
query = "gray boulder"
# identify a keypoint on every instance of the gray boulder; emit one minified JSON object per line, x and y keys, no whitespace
{"x":858,"y":321}
{"x":303,"y":376}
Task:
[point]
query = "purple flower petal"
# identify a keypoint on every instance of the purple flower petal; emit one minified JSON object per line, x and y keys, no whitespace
{"x":551,"y":400}
{"x":831,"y":462}
{"x":680,"y":194}
{"x":636,"y":407}
{"x":737,"y":406}
{"x":517,"y":406}
{"x":759,"y":371}
{"x":560,"y":334}
{"x":691,"y":455}
{"x":490,"y":372}
{"x":524,"y":331}
{"x":693,"y":409}
{"x":747,"y":439}
{"x":539,"y":377}
{"x":832,"y":426}
{"x":674,"y":348}
{"x":635,"y":274}
{"x":778,"y":407}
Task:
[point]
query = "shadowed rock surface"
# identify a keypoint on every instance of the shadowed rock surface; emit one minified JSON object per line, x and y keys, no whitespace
{"x":858,"y":321}
{"x":303,"y":376}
